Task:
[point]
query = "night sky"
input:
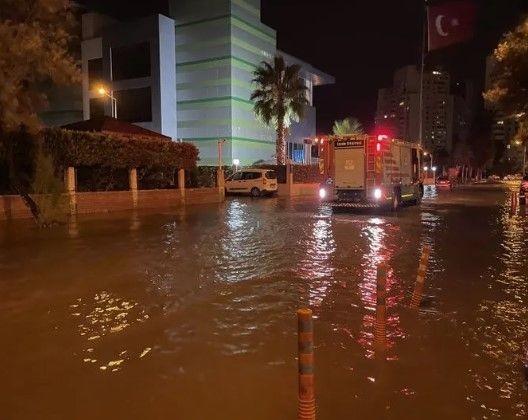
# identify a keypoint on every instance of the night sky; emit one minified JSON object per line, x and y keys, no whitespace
{"x":361,"y":43}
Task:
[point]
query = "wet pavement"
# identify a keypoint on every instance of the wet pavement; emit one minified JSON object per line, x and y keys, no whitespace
{"x":190,"y":314}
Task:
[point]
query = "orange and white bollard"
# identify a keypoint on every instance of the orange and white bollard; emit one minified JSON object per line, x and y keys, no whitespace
{"x":306,"y":407}
{"x":420,"y":278}
{"x":380,"y":335}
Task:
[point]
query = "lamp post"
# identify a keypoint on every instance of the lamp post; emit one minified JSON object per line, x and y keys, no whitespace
{"x":519,"y":143}
{"x":431,"y":156}
{"x":236,"y":162}
{"x":103,"y":92}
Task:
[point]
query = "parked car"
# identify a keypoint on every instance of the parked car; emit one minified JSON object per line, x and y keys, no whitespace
{"x":443,"y":181}
{"x":523,"y":190}
{"x":256,"y":182}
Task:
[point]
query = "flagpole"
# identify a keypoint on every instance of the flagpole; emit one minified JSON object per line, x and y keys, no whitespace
{"x":422,"y":70}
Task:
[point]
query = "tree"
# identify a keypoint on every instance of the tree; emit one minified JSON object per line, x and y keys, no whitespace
{"x":280,"y":98}
{"x":509,"y":91}
{"x":348,"y":126}
{"x":34,"y":49}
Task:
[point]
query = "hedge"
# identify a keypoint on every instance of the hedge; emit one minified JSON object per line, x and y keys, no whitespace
{"x":76,"y":148}
{"x":94,"y":154}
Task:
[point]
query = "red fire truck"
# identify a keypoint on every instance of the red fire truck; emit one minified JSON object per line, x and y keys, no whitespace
{"x":370,"y":172}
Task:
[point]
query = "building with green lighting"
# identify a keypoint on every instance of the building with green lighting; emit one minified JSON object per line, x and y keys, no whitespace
{"x":189,"y":76}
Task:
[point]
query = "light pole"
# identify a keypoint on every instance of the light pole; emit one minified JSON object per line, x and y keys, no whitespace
{"x":103,"y":92}
{"x":431,"y":155}
{"x":518,"y":143}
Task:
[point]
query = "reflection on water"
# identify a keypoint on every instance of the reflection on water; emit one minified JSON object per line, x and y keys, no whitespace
{"x":501,"y":324}
{"x":191,"y":314}
{"x":316,"y":268}
{"x":100,"y":317}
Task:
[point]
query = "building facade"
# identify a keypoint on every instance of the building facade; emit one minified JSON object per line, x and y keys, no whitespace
{"x":189,"y":76}
{"x":504,"y":127}
{"x":399,"y":108}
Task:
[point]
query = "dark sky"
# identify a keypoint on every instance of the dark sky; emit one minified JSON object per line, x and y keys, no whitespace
{"x":361,"y":43}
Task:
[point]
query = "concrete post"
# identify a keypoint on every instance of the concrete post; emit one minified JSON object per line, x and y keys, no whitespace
{"x":133,"y":184}
{"x":220,"y":180}
{"x":70,"y":183}
{"x":181,"y":183}
{"x":289,"y":179}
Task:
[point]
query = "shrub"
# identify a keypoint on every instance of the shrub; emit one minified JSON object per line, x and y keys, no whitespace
{"x":75,"y":148}
{"x":307,"y":174}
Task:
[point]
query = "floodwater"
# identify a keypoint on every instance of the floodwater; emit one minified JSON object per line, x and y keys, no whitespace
{"x":191,"y":313}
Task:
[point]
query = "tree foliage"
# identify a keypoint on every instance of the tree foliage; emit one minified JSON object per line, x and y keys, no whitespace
{"x":280,"y":98}
{"x":348,"y":126}
{"x":34,"y":49}
{"x":509,"y":91}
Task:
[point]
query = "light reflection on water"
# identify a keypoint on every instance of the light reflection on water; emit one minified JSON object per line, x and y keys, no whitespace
{"x":197,"y":300}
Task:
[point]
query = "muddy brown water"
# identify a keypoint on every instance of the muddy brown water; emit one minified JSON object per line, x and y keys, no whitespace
{"x":190,"y":314}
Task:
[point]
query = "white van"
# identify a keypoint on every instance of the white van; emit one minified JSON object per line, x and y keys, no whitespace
{"x":256,"y":182}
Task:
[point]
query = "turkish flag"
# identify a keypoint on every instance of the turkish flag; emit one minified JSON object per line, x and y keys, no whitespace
{"x":451,"y":23}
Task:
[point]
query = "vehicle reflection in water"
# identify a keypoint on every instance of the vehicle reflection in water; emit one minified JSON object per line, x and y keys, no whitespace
{"x":377,"y":232}
{"x":315,"y":268}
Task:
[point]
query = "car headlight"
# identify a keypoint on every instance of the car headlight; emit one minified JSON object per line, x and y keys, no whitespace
{"x":322,"y":193}
{"x":377,"y":193}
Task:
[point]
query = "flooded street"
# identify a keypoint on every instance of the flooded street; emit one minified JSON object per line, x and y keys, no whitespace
{"x":191,"y":313}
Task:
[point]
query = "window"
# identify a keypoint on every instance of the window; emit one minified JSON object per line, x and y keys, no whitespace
{"x":97,"y":107}
{"x":95,"y":73}
{"x":134,"y":105}
{"x":131,"y":61}
{"x":252,"y":175}
{"x":236,"y":177}
{"x":271,"y":175}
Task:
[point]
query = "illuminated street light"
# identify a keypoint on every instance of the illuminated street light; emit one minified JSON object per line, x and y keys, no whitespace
{"x":101,"y":90}
{"x":434,"y":168}
{"x":236,"y":162}
{"x":426,"y":168}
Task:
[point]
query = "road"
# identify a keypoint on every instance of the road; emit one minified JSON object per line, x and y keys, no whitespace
{"x":190,"y":314}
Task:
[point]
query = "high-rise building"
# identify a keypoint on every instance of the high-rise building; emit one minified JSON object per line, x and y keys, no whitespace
{"x":504,"y":127}
{"x":399,"y":108}
{"x":189,"y":76}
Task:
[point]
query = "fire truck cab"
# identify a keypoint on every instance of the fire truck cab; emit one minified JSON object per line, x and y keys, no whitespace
{"x":371,"y":172}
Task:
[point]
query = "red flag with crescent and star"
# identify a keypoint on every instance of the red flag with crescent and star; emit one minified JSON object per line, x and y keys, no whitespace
{"x":451,"y":23}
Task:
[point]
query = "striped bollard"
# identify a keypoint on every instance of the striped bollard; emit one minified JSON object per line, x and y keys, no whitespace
{"x":306,"y":408}
{"x":381,"y":305}
{"x":420,"y":278}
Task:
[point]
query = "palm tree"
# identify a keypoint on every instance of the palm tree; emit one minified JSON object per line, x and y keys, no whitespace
{"x":280,"y":98}
{"x":348,"y":126}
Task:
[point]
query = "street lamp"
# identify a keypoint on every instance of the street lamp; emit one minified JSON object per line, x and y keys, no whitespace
{"x":236,"y":162}
{"x":431,"y":155}
{"x":103,"y":92}
{"x":519,"y":143}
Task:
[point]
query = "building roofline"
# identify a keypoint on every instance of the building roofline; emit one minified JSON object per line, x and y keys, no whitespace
{"x":319,"y":77}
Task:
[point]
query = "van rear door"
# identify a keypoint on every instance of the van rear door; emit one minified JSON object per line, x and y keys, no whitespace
{"x":350,"y":164}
